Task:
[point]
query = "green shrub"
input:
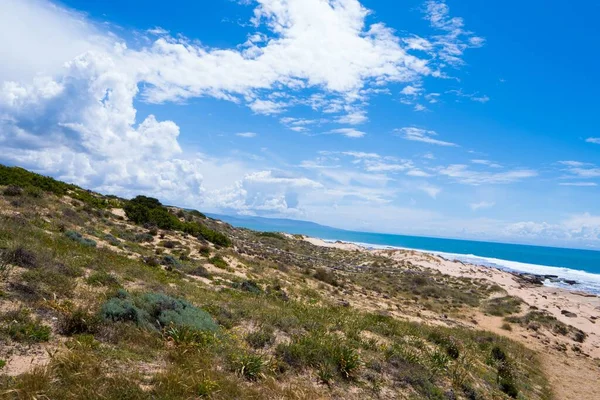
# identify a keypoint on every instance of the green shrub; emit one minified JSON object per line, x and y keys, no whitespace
{"x":20,"y":256}
{"x":247,"y":365}
{"x":24,"y":178}
{"x":78,"y":237}
{"x":78,"y":322}
{"x":273,"y":235}
{"x":199,"y":270}
{"x":113,"y":241}
{"x":22,"y":328}
{"x":157,"y":310}
{"x":204,"y":251}
{"x":169,"y":260}
{"x":261,"y":338}
{"x":48,"y":282}
{"x":147,"y":210}
{"x":218,"y":262}
{"x":248,"y":286}
{"x":317,"y":350}
{"x":184,"y":335}
{"x":2,"y":363}
{"x":102,"y":278}
{"x":501,"y":306}
{"x":201,"y":231}
{"x":13,"y":190}
{"x":118,"y":309}
{"x":326,"y":276}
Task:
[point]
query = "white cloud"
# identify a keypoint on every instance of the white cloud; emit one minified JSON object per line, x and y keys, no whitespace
{"x":420,"y":107}
{"x":581,"y":184}
{"x":266,"y":107}
{"x":411,"y":90}
{"x":246,"y":134}
{"x":69,"y":88}
{"x":422,"y":135}
{"x":39,"y":37}
{"x":594,"y":140}
{"x":489,"y":163}
{"x":418,"y":173}
{"x":463,"y":174}
{"x":348,"y":132}
{"x":432,"y":191}
{"x":578,"y":169}
{"x":361,"y":154}
{"x":471,"y":96}
{"x":482,"y":205}
{"x":353,"y":118}
{"x":582,"y":228}
{"x":456,"y":40}
{"x":432,"y":98}
{"x":158,"y":31}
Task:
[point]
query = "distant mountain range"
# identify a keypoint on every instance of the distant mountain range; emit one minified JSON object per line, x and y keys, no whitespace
{"x":279,"y":225}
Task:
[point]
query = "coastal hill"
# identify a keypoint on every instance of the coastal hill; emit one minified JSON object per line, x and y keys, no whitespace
{"x":104,"y":297}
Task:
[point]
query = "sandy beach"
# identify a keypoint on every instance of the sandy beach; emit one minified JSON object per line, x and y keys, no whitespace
{"x":573,"y":368}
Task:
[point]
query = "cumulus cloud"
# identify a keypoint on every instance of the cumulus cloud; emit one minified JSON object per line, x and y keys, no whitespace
{"x":584,"y":227}
{"x":422,"y":135}
{"x":594,"y":140}
{"x":69,"y":89}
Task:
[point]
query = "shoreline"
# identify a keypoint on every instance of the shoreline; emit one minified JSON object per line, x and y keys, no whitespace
{"x":549,"y":276}
{"x":575,"y":308}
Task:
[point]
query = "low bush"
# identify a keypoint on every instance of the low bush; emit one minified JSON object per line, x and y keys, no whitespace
{"x":20,"y":327}
{"x":102,"y":278}
{"x":536,"y":319}
{"x":199,"y":270}
{"x":248,"y":286}
{"x":78,"y":322}
{"x":326,"y":276}
{"x":21,"y":257}
{"x":317,"y":350}
{"x":78,"y":237}
{"x":247,"y":364}
{"x":157,"y":310}
{"x":113,"y":241}
{"x":13,"y":190}
{"x":501,"y":306}
{"x":48,"y":283}
{"x":273,"y":235}
{"x":261,"y":338}
{"x":218,"y":262}
{"x":204,"y":251}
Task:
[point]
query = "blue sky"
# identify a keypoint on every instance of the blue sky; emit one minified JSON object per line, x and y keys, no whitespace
{"x":451,"y":118}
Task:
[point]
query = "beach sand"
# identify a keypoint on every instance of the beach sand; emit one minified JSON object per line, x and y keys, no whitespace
{"x":573,"y":374}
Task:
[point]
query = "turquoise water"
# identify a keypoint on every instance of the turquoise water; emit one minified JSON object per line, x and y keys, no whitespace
{"x":582,"y":266}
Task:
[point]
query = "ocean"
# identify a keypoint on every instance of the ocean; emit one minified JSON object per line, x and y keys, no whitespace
{"x":582,"y":266}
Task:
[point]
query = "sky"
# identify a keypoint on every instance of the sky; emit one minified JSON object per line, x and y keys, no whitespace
{"x":461,"y":119}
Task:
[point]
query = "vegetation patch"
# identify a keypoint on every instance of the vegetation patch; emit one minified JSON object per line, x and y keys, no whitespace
{"x":535,"y":320}
{"x":78,"y":237}
{"x":21,"y":327}
{"x":157,"y":310}
{"x":501,"y":306}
